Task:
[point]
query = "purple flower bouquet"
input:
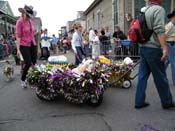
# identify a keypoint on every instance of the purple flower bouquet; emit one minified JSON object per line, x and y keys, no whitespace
{"x":87,"y":86}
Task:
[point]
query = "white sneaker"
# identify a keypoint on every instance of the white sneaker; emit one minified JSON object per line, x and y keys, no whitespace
{"x":23,"y":84}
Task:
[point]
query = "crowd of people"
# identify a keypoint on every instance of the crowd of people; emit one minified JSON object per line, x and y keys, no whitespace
{"x":7,"y":45}
{"x":52,"y":45}
{"x":95,"y":43}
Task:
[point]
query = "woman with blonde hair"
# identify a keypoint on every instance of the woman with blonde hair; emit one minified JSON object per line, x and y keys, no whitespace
{"x":86,"y":44}
{"x":26,"y":45}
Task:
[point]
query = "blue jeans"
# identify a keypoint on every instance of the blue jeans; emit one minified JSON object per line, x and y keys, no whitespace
{"x":65,"y":49}
{"x":79,"y":56}
{"x":151,"y":63}
{"x":87,"y":50}
{"x":171,"y":59}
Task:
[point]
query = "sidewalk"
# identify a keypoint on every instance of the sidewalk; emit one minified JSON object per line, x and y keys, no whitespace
{"x":70,"y":55}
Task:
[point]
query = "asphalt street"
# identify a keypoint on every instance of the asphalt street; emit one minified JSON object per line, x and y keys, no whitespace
{"x":21,"y":110}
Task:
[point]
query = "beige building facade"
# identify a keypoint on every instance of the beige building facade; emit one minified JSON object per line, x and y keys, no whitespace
{"x":111,"y":13}
{"x":99,"y":15}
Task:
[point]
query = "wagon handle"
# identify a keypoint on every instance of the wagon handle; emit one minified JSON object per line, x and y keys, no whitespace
{"x":128,"y":72}
{"x":132,"y":78}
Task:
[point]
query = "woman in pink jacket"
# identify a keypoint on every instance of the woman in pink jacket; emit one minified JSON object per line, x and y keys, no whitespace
{"x":26,"y":45}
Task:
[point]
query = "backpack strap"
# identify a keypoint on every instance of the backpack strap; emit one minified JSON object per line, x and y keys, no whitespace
{"x":147,"y":8}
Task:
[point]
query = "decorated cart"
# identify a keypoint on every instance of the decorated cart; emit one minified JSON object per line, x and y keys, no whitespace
{"x":121,"y":73}
{"x":83,"y":84}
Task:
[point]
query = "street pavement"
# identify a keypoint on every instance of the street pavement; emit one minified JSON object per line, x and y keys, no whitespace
{"x":21,"y":110}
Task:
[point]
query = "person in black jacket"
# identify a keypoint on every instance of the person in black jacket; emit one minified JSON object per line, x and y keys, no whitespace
{"x":117,"y":37}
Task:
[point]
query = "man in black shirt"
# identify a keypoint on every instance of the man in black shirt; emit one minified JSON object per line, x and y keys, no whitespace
{"x":117,"y":37}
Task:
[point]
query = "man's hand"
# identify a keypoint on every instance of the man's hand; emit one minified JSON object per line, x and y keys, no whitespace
{"x":75,"y":52}
{"x":162,"y":39}
{"x":165,"y":54}
{"x":116,"y":39}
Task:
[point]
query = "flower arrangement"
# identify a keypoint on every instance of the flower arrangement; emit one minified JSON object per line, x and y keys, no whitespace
{"x":120,"y":71}
{"x":105,"y":60}
{"x":79,"y":84}
{"x":76,"y":87}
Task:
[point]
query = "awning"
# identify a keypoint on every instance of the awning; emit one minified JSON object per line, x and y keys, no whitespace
{"x":10,"y":19}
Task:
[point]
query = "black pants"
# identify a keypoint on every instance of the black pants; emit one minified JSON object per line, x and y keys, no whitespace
{"x":30,"y":56}
{"x":79,"y":55}
{"x":17,"y":60}
{"x":46,"y":53}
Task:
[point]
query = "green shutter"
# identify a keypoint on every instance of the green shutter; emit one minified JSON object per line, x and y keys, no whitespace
{"x":115,"y":13}
{"x":167,"y":6}
{"x":138,"y":5}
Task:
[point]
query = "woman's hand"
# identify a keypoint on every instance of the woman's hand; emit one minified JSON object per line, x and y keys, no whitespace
{"x":18,"y":46}
{"x":18,"y":52}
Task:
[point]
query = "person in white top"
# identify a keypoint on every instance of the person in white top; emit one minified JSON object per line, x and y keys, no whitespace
{"x":91,"y":38}
{"x":170,"y":38}
{"x":45,"y":44}
{"x":107,"y":33}
{"x":91,"y":35}
{"x":96,"y":46}
{"x":77,"y":44}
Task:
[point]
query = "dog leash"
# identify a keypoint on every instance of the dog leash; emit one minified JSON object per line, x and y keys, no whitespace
{"x":6,"y":61}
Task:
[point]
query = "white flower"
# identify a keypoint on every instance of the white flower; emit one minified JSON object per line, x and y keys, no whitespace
{"x":128,"y":61}
{"x":91,"y":81}
{"x":83,"y":84}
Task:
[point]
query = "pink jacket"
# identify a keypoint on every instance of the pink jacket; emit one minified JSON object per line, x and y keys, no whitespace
{"x":25,"y":32}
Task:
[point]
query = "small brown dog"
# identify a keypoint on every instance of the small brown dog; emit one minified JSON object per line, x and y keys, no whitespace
{"x":8,"y":71}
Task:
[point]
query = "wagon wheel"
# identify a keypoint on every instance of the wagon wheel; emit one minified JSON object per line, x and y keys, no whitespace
{"x":127,"y":84}
{"x":45,"y":96}
{"x":95,"y":101}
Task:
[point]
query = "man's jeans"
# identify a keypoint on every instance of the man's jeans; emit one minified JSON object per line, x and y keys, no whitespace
{"x":65,"y":49}
{"x":171,"y":59}
{"x":79,"y":56}
{"x":151,"y":63}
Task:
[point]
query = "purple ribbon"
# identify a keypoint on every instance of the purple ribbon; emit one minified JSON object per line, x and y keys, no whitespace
{"x":149,"y":128}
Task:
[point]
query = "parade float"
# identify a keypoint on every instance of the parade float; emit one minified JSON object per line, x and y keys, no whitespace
{"x":85,"y":83}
